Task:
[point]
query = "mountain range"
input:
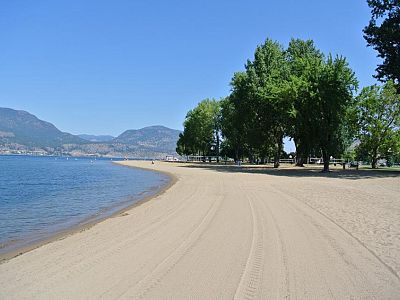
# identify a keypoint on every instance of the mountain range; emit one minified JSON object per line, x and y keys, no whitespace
{"x":96,"y":138}
{"x":22,"y":132}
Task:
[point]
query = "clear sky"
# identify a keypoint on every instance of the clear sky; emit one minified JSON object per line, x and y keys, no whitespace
{"x":101,"y":67}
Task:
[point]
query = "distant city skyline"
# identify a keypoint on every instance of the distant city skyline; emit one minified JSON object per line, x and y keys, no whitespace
{"x":95,"y":68}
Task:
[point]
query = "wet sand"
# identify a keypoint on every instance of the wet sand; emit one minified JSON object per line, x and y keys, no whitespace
{"x":227,"y":232}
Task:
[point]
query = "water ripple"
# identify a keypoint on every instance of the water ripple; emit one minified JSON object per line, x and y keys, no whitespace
{"x":40,"y":195}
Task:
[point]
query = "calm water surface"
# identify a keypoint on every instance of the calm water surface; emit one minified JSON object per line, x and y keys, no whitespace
{"x":40,"y":196}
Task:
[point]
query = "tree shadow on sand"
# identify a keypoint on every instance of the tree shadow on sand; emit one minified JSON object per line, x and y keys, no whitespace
{"x":297,"y":171}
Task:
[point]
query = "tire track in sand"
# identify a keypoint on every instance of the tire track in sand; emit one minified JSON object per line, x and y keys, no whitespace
{"x":250,"y":282}
{"x":77,"y":267}
{"x":384,"y":264}
{"x":282,"y":286}
{"x":361,"y":277}
{"x":139,"y":290}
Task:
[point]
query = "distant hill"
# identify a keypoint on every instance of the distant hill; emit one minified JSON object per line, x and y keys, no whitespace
{"x":23,"y":133}
{"x":22,"y":128}
{"x":154,"y":137}
{"x":96,"y":138}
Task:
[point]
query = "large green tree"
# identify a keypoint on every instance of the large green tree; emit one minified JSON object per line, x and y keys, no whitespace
{"x":254,"y":116}
{"x":268,"y":86}
{"x":378,"y":115}
{"x":294,"y":92}
{"x":305,"y":62}
{"x":383,"y":34}
{"x":233,"y":123}
{"x":201,"y":130}
{"x":336,"y":84}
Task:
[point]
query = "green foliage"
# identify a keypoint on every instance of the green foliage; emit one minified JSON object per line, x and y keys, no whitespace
{"x":294,"y":92}
{"x":254,"y":116}
{"x":378,"y":116}
{"x":233,"y":122}
{"x":268,"y":77}
{"x":349,"y":155}
{"x":321,"y":93}
{"x":305,"y":62}
{"x":201,"y":129}
{"x":336,"y":84}
{"x":383,"y":34}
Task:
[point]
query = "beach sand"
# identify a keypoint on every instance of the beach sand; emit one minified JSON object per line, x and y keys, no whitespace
{"x":228,"y":232}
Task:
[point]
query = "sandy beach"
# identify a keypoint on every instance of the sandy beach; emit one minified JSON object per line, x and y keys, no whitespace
{"x":228,"y":232}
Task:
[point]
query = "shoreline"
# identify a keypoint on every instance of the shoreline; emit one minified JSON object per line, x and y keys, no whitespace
{"x":91,"y":220}
{"x":226,"y":232}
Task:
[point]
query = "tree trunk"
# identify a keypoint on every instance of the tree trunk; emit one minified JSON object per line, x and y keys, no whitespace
{"x":251,"y":157}
{"x":300,"y":161}
{"x":278,"y":152}
{"x":374,"y":163}
{"x":301,"y":156}
{"x":217,"y":147}
{"x":325,"y":157}
{"x":374,"y":159}
{"x":236,"y":154}
{"x":276,"y":163}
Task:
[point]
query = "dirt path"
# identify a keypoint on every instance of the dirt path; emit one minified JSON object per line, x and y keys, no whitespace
{"x":223,"y":233}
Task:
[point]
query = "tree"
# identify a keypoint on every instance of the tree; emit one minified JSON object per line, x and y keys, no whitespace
{"x":254,"y":115}
{"x":216,"y":120}
{"x":236,"y":116}
{"x":201,"y":130}
{"x":336,"y":84}
{"x":232,"y":129}
{"x":378,"y":114}
{"x":383,"y":34}
{"x":304,"y":61}
{"x":183,"y":146}
{"x":321,"y":95}
{"x":294,"y":92}
{"x":268,"y":85}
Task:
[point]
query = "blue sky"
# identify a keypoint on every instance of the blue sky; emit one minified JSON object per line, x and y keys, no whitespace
{"x":101,"y":67}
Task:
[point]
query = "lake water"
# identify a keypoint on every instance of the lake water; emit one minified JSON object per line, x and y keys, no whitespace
{"x":40,"y":196}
